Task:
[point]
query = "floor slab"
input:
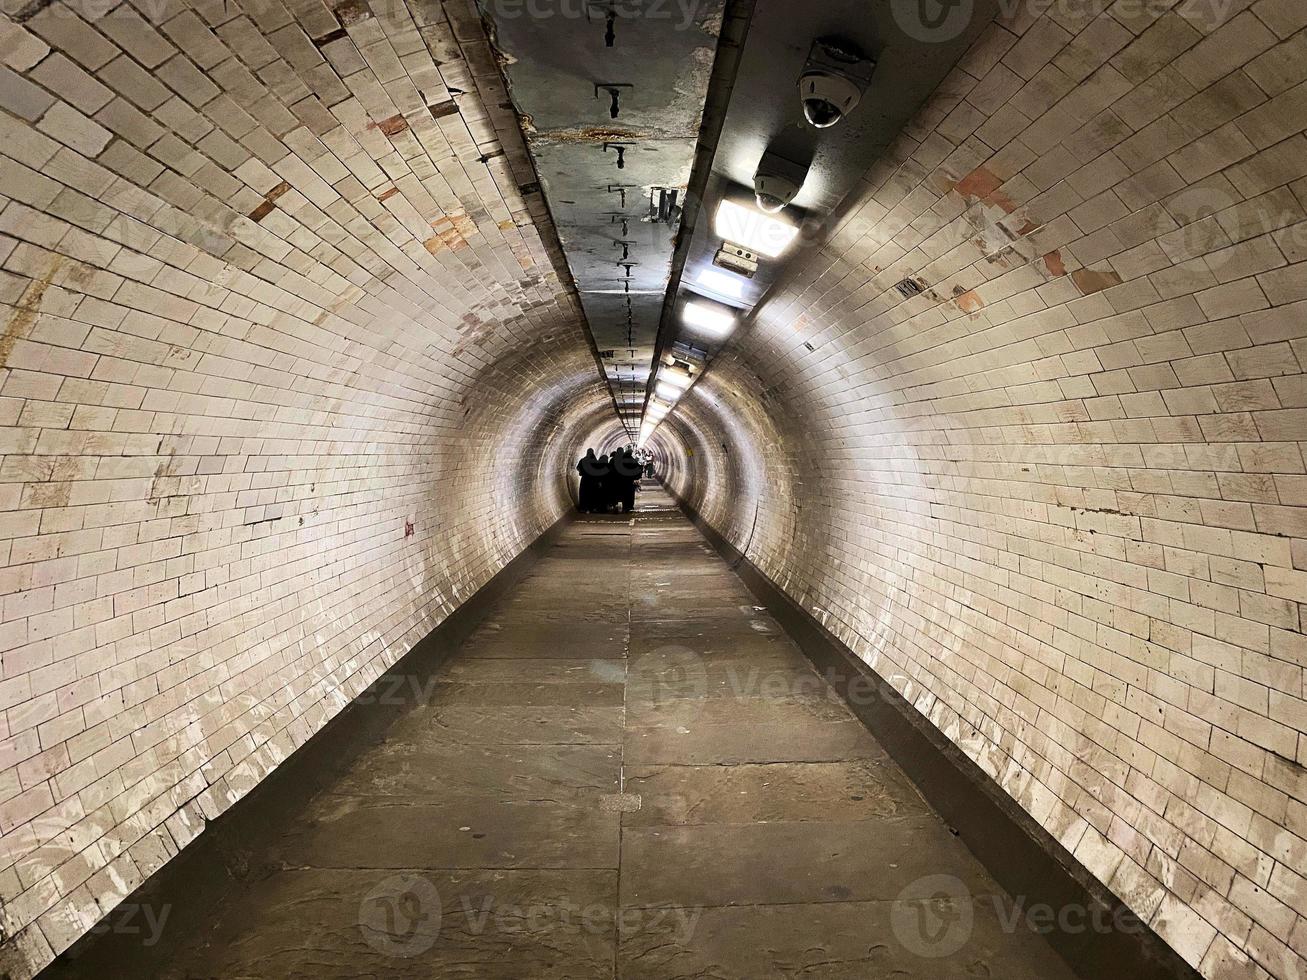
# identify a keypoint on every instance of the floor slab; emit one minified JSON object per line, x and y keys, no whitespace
{"x":626,"y":771}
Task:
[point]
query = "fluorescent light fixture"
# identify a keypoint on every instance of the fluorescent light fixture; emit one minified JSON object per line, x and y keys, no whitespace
{"x":667,"y":391}
{"x":678,"y":378}
{"x":722,"y":283}
{"x":712,"y":320}
{"x":756,"y":230}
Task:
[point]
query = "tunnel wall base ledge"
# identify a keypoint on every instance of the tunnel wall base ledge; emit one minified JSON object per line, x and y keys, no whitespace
{"x":1023,"y":857}
{"x":192,"y":884}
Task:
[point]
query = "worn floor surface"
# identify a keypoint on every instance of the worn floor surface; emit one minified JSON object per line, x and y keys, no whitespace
{"x":628,"y":772}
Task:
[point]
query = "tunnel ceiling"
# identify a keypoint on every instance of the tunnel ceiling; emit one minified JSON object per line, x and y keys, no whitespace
{"x":764,"y":115}
{"x":291,"y":364}
{"x":611,"y":102}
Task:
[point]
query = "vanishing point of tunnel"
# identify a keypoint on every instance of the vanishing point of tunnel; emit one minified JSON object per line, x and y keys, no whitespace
{"x":653,"y":489}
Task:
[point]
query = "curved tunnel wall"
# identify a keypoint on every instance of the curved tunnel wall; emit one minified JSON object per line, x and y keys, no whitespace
{"x":275,"y":285}
{"x":286,"y":374}
{"x":1058,"y":498}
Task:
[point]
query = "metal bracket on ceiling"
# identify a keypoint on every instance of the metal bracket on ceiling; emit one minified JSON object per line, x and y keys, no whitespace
{"x":621,"y":189}
{"x":616,"y":216}
{"x":614,"y":90}
{"x":628,"y":266}
{"x":625,"y":246}
{"x":621,"y":149}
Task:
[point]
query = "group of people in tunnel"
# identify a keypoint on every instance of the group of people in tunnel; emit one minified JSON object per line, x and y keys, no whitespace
{"x":610,"y":483}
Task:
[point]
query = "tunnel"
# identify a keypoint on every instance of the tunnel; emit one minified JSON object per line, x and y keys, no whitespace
{"x":956,"y":630}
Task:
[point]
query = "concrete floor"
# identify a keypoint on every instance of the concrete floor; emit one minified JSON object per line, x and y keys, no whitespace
{"x":628,"y":772}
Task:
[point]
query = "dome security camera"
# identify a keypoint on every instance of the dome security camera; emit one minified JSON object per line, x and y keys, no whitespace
{"x":777,"y":182}
{"x":833,"y":81}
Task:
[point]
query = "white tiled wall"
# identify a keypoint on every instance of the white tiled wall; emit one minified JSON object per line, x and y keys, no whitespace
{"x":270,"y":293}
{"x":1059,"y":498}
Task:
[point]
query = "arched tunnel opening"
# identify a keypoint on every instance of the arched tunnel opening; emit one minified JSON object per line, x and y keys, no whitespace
{"x":957,"y":630}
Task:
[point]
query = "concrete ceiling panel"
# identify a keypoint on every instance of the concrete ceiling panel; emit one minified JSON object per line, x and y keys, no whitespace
{"x":607,"y":177}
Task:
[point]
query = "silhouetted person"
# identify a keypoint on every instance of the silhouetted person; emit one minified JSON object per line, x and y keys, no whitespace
{"x":649,"y":470}
{"x":604,"y":486}
{"x":590,"y":478}
{"x":627,"y":469}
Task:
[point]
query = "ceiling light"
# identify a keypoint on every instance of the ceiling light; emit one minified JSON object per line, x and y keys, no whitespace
{"x":711,"y":319}
{"x":668,"y":391}
{"x":722,"y":282}
{"x":678,"y":378}
{"x":763,"y":233}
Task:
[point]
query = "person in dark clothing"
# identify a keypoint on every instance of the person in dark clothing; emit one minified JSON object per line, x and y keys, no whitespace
{"x":627,"y":469}
{"x":589,"y":470}
{"x":632,"y":481}
{"x":649,"y":470}
{"x":604,"y":486}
